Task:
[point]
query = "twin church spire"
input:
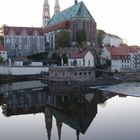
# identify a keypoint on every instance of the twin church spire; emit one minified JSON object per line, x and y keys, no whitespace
{"x":46,"y":11}
{"x":57,"y":7}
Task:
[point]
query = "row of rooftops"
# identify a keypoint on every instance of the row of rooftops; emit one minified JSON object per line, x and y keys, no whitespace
{"x":123,"y":51}
{"x":12,"y":30}
{"x":78,"y":10}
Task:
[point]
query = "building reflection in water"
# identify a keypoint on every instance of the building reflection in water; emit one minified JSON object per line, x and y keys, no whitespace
{"x":73,"y":105}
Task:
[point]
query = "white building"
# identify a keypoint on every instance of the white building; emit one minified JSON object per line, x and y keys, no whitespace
{"x":3,"y":52}
{"x":105,"y":55}
{"x":81,"y":58}
{"x":121,"y":63}
{"x":112,"y":40}
{"x":123,"y":57}
{"x":134,"y":52}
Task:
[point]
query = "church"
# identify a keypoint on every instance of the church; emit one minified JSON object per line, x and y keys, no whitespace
{"x":24,"y":41}
{"x":71,"y":20}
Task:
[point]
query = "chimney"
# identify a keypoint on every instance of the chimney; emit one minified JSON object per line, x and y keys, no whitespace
{"x":76,"y":2}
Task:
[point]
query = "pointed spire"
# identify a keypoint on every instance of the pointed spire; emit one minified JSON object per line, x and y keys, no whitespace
{"x":56,"y":7}
{"x":59,"y":127}
{"x":46,"y":13}
{"x":46,"y":2}
{"x":77,"y":134}
{"x":48,"y":121}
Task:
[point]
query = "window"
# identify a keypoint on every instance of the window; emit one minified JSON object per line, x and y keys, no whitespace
{"x":80,"y":73}
{"x":7,"y":40}
{"x":89,"y":73}
{"x":75,"y":73}
{"x":88,"y":62}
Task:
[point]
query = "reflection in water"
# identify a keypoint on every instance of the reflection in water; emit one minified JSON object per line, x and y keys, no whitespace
{"x":73,"y":105}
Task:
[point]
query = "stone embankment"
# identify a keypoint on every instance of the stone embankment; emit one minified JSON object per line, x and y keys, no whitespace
{"x":128,"y":77}
{"x":9,"y":78}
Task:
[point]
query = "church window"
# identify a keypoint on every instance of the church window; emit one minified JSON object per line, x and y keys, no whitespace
{"x":7,"y":40}
{"x":12,"y":46}
{"x":80,"y":73}
{"x":20,"y":46}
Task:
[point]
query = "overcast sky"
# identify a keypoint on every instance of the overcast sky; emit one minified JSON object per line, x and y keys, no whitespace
{"x":119,"y":17}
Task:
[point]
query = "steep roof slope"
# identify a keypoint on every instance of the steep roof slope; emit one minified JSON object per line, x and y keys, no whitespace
{"x":117,"y":51}
{"x":77,"y":10}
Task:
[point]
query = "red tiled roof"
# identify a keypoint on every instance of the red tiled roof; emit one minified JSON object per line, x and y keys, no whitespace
{"x":120,"y":51}
{"x":133,"y":48}
{"x":78,"y":54}
{"x":2,"y":48}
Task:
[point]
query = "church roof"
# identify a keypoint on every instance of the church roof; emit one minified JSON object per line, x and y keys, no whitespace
{"x":75,"y":11}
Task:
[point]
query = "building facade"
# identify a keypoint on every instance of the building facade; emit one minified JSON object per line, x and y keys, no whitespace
{"x":112,"y":40}
{"x":85,"y":75}
{"x":123,"y":58}
{"x":23,"y":41}
{"x":81,"y":58}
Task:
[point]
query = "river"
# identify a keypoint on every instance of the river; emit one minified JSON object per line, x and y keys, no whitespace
{"x":32,"y":110}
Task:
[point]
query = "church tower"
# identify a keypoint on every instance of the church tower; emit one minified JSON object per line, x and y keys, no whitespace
{"x":48,"y":122}
{"x":46,"y":13}
{"x":56,"y":7}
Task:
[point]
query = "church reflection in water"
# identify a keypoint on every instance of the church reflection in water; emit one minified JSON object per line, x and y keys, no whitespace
{"x":73,"y":105}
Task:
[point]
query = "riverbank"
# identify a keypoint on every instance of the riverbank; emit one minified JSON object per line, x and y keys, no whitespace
{"x":117,"y":78}
{"x":10,"y":78}
{"x":128,"y":77}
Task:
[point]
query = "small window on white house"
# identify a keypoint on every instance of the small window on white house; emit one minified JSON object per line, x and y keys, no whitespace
{"x":71,"y":63}
{"x":88,"y":62}
{"x":79,"y":63}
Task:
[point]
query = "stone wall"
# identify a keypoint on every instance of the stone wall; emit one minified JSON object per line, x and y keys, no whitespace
{"x":17,"y":70}
{"x":72,"y":74}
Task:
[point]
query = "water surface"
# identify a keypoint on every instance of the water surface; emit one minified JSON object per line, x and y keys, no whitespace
{"x":65,"y":112}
